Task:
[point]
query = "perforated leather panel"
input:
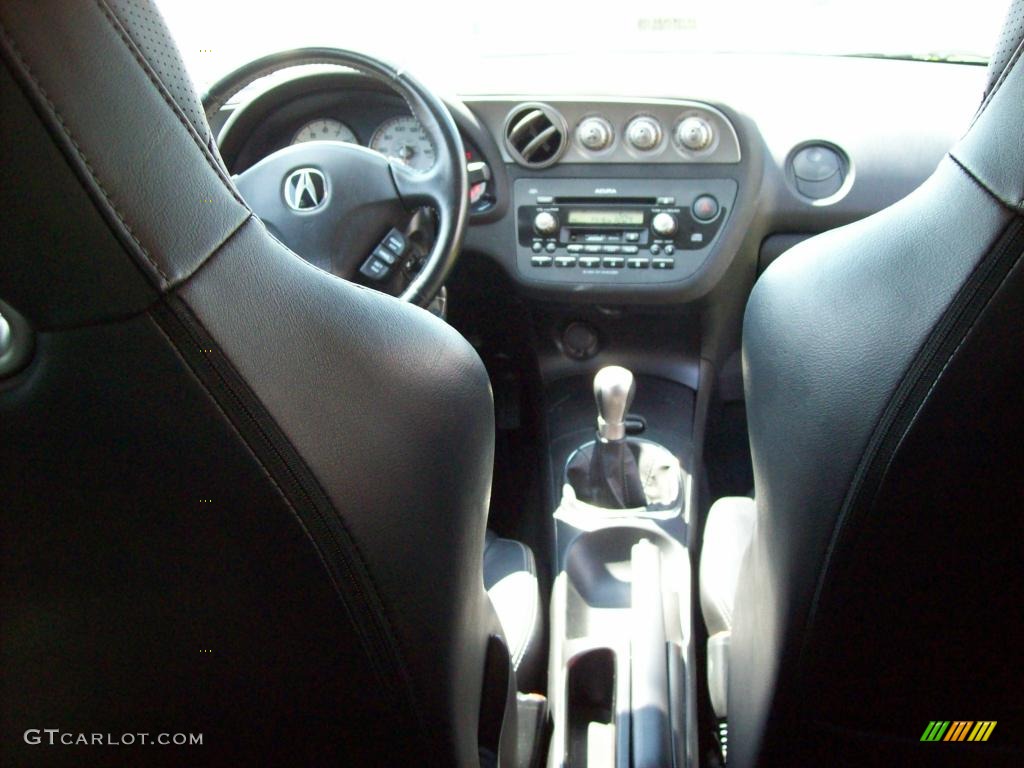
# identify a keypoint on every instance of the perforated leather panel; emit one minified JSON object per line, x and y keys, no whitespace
{"x":147,"y":29}
{"x":1008,"y":46}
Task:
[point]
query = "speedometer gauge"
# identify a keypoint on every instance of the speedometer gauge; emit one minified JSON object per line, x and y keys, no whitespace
{"x":403,"y":138}
{"x":325,"y":129}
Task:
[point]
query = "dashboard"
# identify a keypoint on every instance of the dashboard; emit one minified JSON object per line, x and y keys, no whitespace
{"x":649,"y":199}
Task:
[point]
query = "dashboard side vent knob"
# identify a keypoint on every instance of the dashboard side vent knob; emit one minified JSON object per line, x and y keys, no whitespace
{"x":818,"y":170}
{"x":535,"y":135}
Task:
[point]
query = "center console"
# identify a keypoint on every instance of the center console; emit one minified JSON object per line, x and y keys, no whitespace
{"x":621,"y":663}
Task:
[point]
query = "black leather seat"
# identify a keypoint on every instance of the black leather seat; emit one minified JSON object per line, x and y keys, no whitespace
{"x":882,"y":586}
{"x":223,"y":505}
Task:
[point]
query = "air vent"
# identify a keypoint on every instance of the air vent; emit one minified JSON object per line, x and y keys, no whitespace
{"x":535,"y":135}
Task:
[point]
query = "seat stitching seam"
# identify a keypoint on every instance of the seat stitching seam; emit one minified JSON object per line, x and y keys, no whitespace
{"x":845,"y":512}
{"x":1014,"y":208}
{"x":376,"y":605}
{"x":938,"y":377}
{"x":55,"y":113}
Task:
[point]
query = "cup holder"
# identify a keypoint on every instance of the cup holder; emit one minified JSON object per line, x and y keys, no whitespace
{"x":598,"y":568}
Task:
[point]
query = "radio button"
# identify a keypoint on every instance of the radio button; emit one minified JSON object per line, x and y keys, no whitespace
{"x":540,"y":261}
{"x":592,"y":248}
{"x":628,"y":249}
{"x":669,"y":249}
{"x":574,"y":248}
{"x":565,"y":261}
{"x":537,"y":246}
{"x":545,"y":223}
{"x":641,"y":262}
{"x":613,"y":262}
{"x":631,"y":237}
{"x":545,"y":199}
{"x":664,"y":263}
{"x":551,"y":247}
{"x":655,"y":248}
{"x":610,"y":249}
{"x":594,"y":238}
{"x":664,"y":224}
{"x":590,"y":262}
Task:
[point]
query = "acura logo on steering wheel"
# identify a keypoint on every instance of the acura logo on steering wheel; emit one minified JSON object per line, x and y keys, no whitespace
{"x":305,"y":189}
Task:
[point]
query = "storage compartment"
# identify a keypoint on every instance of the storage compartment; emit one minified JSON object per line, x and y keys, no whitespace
{"x":620,"y":645}
{"x":590,"y":686}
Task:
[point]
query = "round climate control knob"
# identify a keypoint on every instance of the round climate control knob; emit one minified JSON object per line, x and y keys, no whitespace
{"x":694,"y":133}
{"x":664,"y":224}
{"x":643,"y":133}
{"x":545,"y":223}
{"x":594,"y":133}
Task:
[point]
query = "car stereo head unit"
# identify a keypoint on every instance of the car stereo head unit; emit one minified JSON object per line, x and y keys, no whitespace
{"x":617,"y":231}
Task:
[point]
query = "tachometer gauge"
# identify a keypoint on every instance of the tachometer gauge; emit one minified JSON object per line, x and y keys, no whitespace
{"x":325,"y":129}
{"x":403,"y":138}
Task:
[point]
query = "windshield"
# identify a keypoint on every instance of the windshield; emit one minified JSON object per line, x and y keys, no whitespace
{"x":439,"y":39}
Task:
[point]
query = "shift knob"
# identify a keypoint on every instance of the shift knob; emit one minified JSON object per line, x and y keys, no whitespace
{"x":613,"y":390}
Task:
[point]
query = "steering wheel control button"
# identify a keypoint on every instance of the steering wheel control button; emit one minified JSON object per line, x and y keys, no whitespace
{"x":663,"y":263}
{"x":640,"y":262}
{"x":386,"y":256}
{"x":664,"y":224}
{"x":395,"y":242}
{"x":545,"y":223}
{"x":644,"y":133}
{"x":705,"y":208}
{"x":374,"y":268}
{"x":541,"y":261}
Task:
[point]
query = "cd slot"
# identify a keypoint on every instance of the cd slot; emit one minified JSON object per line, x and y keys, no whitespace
{"x":608,"y":201}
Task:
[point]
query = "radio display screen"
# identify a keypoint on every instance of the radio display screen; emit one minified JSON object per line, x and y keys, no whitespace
{"x":612,"y":217}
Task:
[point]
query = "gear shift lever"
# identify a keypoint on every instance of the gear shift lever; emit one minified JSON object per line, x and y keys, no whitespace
{"x":606,"y":474}
{"x":614,"y":389}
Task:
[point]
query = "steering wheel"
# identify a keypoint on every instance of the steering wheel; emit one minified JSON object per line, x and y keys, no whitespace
{"x":343,"y":207}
